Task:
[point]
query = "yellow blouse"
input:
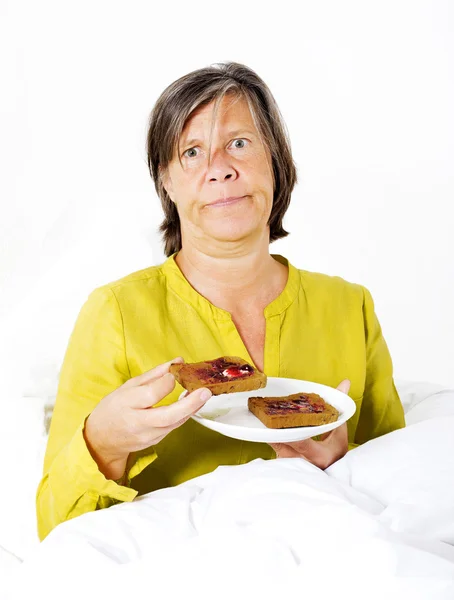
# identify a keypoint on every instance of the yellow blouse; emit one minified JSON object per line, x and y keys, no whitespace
{"x":320,"y":328}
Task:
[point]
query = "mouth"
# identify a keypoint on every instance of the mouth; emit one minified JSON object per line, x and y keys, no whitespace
{"x":227,"y":201}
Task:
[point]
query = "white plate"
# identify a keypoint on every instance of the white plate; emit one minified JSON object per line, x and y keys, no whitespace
{"x":229,"y":414}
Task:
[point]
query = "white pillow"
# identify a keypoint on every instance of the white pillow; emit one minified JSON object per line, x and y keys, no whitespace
{"x":35,"y":334}
{"x":411,"y":472}
{"x":413,"y":393}
{"x":22,"y":446}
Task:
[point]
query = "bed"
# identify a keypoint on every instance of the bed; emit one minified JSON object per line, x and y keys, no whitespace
{"x":378,"y":522}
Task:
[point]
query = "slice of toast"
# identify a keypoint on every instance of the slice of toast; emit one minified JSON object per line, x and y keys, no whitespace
{"x":223,"y":375}
{"x":296,"y":410}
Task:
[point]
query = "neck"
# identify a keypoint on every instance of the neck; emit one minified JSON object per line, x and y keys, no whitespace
{"x":228,"y":280}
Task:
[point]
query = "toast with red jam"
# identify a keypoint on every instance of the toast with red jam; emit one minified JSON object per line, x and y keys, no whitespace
{"x":223,"y":375}
{"x":296,"y":410}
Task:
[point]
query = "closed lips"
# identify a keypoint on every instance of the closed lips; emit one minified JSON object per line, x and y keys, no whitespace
{"x":229,"y":200}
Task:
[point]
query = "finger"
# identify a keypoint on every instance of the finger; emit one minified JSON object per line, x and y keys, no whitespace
{"x":147,"y":395}
{"x":344,"y":386}
{"x":337,"y":435}
{"x":299,"y":446}
{"x":163,"y":431}
{"x":304,"y":447}
{"x":314,"y":452}
{"x":167,"y":416}
{"x":285,"y":451}
{"x":327,"y":435}
{"x":278,"y":449}
{"x":153,"y":374}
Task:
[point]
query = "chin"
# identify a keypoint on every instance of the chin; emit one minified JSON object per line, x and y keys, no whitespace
{"x":235,"y":232}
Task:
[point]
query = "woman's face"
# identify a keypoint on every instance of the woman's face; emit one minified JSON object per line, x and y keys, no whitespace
{"x":240,"y":166}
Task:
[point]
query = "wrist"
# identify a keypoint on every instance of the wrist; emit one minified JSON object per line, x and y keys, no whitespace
{"x":111,"y":464}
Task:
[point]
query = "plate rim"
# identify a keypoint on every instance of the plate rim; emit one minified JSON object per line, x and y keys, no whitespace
{"x":229,"y":429}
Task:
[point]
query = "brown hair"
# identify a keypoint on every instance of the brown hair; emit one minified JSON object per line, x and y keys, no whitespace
{"x":195,"y":90}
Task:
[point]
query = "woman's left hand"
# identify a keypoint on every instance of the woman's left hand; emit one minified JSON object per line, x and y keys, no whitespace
{"x":331,"y":447}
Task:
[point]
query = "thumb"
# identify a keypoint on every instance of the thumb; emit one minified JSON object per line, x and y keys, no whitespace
{"x":344,"y":386}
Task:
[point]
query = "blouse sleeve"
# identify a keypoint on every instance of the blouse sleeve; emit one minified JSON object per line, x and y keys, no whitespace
{"x":381,"y":409}
{"x":95,"y":364}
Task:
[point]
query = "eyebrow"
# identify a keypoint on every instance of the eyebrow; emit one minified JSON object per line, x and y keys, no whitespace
{"x":234,"y":133}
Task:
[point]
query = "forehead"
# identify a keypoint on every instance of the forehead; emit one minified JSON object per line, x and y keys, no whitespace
{"x":232,"y":109}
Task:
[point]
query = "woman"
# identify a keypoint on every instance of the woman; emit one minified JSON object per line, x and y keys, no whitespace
{"x":223,"y":169}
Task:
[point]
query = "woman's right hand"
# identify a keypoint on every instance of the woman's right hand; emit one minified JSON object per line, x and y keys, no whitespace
{"x":125,"y":420}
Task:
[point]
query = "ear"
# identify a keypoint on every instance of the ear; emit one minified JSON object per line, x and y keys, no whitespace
{"x":166,"y":182}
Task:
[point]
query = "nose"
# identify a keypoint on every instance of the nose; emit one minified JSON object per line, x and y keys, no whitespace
{"x":221,"y":168}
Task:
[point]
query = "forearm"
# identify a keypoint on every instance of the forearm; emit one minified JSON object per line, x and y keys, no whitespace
{"x":74,"y":485}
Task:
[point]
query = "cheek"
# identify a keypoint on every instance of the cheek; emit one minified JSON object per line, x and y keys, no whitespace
{"x":185,"y":195}
{"x":260,"y":172}
{"x":189,"y":209}
{"x":264,"y":187}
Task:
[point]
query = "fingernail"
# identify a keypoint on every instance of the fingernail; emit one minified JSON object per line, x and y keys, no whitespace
{"x":205,"y":395}
{"x":177,"y":359}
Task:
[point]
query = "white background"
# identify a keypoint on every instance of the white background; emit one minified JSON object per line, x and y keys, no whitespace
{"x":366,"y":90}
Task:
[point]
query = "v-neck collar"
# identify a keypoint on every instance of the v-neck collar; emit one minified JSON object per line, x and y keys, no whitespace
{"x":178,"y":282}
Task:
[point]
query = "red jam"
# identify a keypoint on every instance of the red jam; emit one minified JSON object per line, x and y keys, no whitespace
{"x":299,"y":405}
{"x":235,"y":372}
{"x":223,"y":370}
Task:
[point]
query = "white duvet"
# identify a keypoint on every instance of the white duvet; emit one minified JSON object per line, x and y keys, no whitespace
{"x":377,"y":524}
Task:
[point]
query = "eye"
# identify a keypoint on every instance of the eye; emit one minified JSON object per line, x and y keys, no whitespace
{"x":240,"y":140}
{"x":186,"y":152}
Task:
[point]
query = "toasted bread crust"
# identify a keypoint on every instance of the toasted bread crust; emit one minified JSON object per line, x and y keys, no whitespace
{"x":192,"y":376}
{"x":267,"y":410}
